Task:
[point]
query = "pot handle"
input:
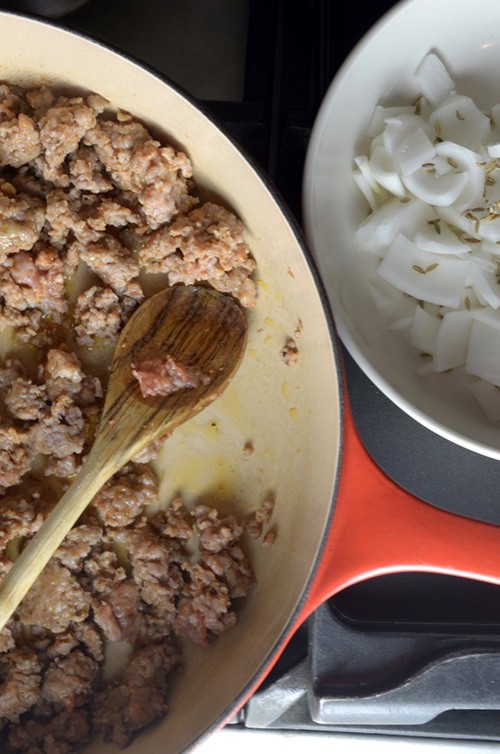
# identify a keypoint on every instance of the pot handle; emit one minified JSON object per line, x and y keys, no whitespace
{"x":380,"y":528}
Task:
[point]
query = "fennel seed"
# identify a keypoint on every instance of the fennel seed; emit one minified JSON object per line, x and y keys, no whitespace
{"x":436,"y":223}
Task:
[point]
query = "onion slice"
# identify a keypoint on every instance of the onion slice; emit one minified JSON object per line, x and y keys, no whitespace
{"x":419,"y":274}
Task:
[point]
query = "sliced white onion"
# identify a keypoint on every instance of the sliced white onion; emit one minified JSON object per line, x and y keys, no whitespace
{"x":419,"y":274}
{"x":452,"y":340}
{"x":495,"y":115}
{"x":483,"y":262}
{"x":485,"y":286}
{"x":424,"y":330}
{"x":458,"y":119}
{"x":404,"y":323}
{"x":384,"y":171}
{"x":435,"y":82}
{"x":488,"y":397}
{"x":489,"y":229}
{"x":425,"y":370}
{"x":363,"y":164}
{"x":483,"y":354}
{"x":383,"y":295}
{"x":415,"y":151}
{"x":467,"y":161}
{"x":492,"y":249}
{"x":459,"y":220}
{"x":381,"y":114}
{"x":399,"y":129}
{"x":439,"y":238}
{"x":437,"y":190}
{"x":380,"y":228}
{"x":366,"y":189}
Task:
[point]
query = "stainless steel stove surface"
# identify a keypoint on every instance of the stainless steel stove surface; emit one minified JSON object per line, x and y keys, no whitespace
{"x":410,"y":657}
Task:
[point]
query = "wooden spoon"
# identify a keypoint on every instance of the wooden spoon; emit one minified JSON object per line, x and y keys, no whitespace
{"x":197,"y":327}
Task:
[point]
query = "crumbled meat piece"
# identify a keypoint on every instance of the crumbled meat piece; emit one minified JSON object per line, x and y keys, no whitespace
{"x":136,"y":163}
{"x":62,"y":431}
{"x":150,"y":452}
{"x":140,"y":697}
{"x":215,"y":533}
{"x":40,"y":100}
{"x":114,"y":144}
{"x":25,"y":182}
{"x":248,"y":449}
{"x":86,"y":172}
{"x":70,"y":680}
{"x":159,"y":374}
{"x":10,"y":102}
{"x":25,"y":400}
{"x":7,"y":641}
{"x":35,"y":282}
{"x":269,"y":538}
{"x":26,"y":324}
{"x":206,"y":244}
{"x":111,"y":213}
{"x":204,"y":609}
{"x":90,"y":394}
{"x":68,"y":601}
{"x":91,"y":639}
{"x":113,"y":263}
{"x":102,"y":572}
{"x":19,"y":516}
{"x":20,"y":687}
{"x":176,"y":522}
{"x":10,"y":371}
{"x":5,"y":564}
{"x":63,"y":733}
{"x":15,"y":455}
{"x":85,"y":635}
{"x":62,"y":644}
{"x":78,"y":544}
{"x":97,"y":314}
{"x":299,"y":329}
{"x":62,"y":373}
{"x":21,"y":220}
{"x":290,"y":353}
{"x":118,"y":612}
{"x":19,"y":141}
{"x":125,"y":496}
{"x":62,"y":467}
{"x":66,"y":217}
{"x":164,"y":190}
{"x":259,"y":520}
{"x":155,"y":568}
{"x":63,"y":127}
{"x":233,"y":567}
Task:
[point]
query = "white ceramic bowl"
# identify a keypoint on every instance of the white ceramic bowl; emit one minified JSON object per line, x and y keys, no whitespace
{"x":466,"y":36}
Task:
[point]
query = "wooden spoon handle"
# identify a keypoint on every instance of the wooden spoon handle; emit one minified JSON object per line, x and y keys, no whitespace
{"x":42,"y":546}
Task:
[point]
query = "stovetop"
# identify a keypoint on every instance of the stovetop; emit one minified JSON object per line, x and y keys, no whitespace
{"x":402,"y":655}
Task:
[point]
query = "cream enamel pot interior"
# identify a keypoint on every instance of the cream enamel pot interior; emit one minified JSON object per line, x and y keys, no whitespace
{"x":292,"y":415}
